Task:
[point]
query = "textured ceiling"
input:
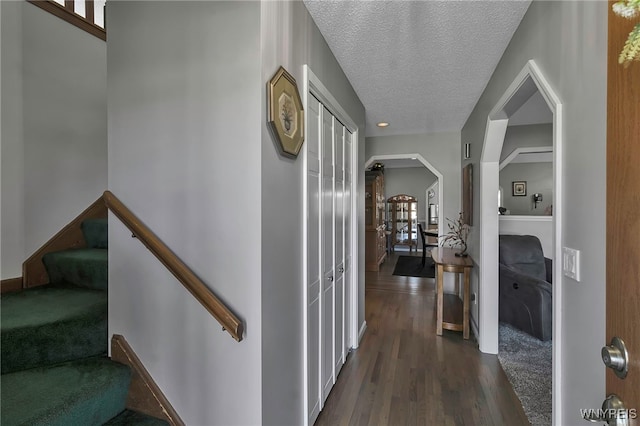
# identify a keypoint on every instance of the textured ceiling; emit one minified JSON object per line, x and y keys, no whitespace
{"x":419,"y":65}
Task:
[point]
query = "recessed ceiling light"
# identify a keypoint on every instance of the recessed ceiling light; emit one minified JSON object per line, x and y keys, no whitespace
{"x":382,"y":124}
{"x":413,"y":158}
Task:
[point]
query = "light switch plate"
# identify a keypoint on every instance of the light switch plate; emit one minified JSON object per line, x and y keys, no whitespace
{"x":571,"y":263}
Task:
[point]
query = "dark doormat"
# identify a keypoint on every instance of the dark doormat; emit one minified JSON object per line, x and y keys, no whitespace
{"x":411,"y":266}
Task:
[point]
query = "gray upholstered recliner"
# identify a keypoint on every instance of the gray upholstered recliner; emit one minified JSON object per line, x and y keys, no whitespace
{"x":525,"y":285}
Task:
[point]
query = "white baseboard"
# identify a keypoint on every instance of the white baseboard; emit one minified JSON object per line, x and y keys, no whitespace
{"x":474,"y":328}
{"x":362,"y":330}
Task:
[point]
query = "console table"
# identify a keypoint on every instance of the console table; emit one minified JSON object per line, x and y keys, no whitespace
{"x":450,"y":309}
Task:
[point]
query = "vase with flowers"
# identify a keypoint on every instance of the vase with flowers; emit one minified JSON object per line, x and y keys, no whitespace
{"x":457,"y":235}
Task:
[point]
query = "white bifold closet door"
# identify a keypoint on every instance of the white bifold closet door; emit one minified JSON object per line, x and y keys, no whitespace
{"x":327,"y":301}
{"x":338,"y":223}
{"x":329,"y":254}
{"x":313,"y":259}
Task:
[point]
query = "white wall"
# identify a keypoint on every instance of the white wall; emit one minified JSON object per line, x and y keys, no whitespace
{"x":290,"y":38}
{"x":185,"y":93}
{"x":54,"y":161}
{"x":412,"y":181}
{"x":442,"y":150}
{"x":568,"y":41}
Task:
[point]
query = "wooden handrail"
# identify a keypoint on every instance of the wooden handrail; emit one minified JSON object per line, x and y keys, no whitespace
{"x":182,"y":272}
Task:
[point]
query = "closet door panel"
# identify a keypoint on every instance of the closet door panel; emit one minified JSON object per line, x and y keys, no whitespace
{"x":339,"y":349}
{"x":347,"y":239}
{"x":328,"y":283}
{"x":314,"y":274}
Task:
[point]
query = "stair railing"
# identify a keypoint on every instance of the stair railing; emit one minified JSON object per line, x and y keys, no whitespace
{"x":88,"y":15}
{"x":182,"y":272}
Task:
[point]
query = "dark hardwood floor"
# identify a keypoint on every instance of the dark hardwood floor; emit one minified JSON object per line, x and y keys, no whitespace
{"x":403,"y":374}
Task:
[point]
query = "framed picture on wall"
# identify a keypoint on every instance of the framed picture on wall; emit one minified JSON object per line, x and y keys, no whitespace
{"x":467,"y":194}
{"x":519,"y":188}
{"x":285,"y":113}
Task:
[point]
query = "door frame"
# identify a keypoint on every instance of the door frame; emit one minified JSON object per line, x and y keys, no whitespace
{"x":313,"y":85}
{"x":426,"y":198}
{"x":426,"y":164}
{"x":529,"y":79}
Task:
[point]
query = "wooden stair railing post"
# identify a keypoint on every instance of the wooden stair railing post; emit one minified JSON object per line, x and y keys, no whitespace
{"x":179,"y":269}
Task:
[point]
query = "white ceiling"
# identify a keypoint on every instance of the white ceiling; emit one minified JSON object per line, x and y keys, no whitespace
{"x":419,"y":65}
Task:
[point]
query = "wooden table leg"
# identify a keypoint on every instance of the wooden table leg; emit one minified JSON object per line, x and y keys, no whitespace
{"x":457,"y":287}
{"x":440,"y":300}
{"x":465,"y":304}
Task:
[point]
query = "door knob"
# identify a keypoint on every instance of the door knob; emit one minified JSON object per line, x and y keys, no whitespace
{"x":341,"y":269}
{"x":616,"y":357}
{"x":330,"y":278}
{"x":613,"y":412}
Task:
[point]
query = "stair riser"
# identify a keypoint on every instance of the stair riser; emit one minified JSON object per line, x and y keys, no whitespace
{"x":62,"y":341}
{"x":96,"y":233}
{"x":84,"y":268}
{"x":51,"y":324}
{"x":85,"y":392}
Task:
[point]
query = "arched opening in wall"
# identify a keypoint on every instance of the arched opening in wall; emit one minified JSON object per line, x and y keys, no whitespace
{"x":413,"y":175}
{"x":504,"y":141}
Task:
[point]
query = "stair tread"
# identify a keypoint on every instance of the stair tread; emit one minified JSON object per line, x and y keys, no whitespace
{"x":87,"y":391}
{"x":51,"y":324}
{"x":86,"y":267}
{"x":42,"y":305}
{"x":131,"y":418}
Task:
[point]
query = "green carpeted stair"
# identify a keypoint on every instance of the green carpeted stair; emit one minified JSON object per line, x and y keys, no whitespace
{"x":53,"y":348}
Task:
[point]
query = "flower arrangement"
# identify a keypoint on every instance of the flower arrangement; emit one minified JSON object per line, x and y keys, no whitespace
{"x":629,"y":9}
{"x":457,"y":235}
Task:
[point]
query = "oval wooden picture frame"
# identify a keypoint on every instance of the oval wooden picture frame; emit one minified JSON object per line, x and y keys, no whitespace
{"x":285,"y":112}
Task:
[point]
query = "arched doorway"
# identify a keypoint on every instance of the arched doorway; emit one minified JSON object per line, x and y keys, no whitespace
{"x":529,"y":81}
{"x":425,"y":163}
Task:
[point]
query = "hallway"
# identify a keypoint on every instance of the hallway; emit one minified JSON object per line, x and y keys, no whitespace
{"x":403,"y":374}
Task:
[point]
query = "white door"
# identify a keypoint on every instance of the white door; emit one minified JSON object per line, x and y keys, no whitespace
{"x":339,"y":343}
{"x":314,"y":275}
{"x":327,"y":296}
{"x":328,"y":239}
{"x":348,"y":229}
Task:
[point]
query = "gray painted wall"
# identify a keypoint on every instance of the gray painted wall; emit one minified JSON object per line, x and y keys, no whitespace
{"x":54,"y":128}
{"x":189,"y":102}
{"x":185,"y":105}
{"x":12,"y":250}
{"x":412,"y":181}
{"x":441,"y":150}
{"x":568,"y":41}
{"x":290,"y":38}
{"x":525,"y":136}
{"x":539,"y":179}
